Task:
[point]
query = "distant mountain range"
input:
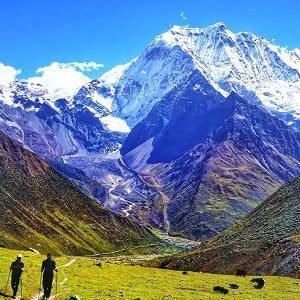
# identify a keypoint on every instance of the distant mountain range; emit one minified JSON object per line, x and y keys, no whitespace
{"x":188,"y":137}
{"x":53,"y":129}
{"x":266,"y":241}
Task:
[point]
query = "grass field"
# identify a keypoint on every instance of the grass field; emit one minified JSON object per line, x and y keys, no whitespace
{"x":119,"y":281}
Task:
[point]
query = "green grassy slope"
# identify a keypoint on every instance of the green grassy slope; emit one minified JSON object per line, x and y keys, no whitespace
{"x":41,"y":209}
{"x":116,"y":281}
{"x":265,"y":241}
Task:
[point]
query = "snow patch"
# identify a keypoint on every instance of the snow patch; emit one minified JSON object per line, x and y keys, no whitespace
{"x":113,"y":76}
{"x":115,"y":124}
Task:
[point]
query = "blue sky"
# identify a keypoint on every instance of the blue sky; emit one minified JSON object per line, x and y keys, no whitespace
{"x":34,"y":33}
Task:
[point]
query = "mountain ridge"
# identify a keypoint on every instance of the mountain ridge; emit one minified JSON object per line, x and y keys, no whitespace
{"x":266,"y":241}
{"x":216,"y":163}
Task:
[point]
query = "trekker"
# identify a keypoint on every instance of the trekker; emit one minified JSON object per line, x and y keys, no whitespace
{"x":17,"y":268}
{"x":48,"y":266}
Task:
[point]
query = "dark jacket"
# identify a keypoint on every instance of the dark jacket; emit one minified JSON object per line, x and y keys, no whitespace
{"x":16,"y":268}
{"x":48,"y":266}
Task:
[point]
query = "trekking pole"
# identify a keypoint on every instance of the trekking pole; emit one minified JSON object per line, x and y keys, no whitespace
{"x":7,"y":282}
{"x":21,"y":288}
{"x":40,"y":287}
{"x":56,"y":283}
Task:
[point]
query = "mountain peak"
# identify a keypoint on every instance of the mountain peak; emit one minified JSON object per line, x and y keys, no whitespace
{"x":217,"y":26}
{"x":185,"y":31}
{"x":224,"y":57}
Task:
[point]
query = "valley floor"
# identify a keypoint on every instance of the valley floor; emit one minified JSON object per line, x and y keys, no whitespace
{"x":116,"y":280}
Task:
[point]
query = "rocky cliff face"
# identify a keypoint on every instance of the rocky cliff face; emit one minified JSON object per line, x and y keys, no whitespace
{"x":213,"y":158}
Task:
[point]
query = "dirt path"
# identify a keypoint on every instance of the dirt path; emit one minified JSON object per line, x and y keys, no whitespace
{"x":64,"y":280}
{"x":69,"y":263}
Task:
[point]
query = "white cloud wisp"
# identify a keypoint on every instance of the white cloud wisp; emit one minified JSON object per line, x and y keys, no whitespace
{"x":8,"y":74}
{"x":62,"y":80}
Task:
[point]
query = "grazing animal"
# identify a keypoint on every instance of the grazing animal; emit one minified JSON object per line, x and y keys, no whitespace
{"x":98,"y":264}
{"x":241,"y":272}
{"x":184,"y":272}
{"x":220,"y":289}
{"x":259,"y":282}
{"x":233,"y":286}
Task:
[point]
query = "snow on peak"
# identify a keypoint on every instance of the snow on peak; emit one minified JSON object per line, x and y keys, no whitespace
{"x":12,"y":93}
{"x":219,"y":27}
{"x":183,"y":30}
{"x":242,"y":62}
{"x":112,"y":77}
{"x":182,"y":35}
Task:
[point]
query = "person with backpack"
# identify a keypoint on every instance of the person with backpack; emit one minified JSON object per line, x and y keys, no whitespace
{"x":16,"y":268}
{"x":48,"y":268}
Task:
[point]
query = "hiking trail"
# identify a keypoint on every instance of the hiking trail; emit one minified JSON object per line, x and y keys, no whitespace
{"x":61,"y":283}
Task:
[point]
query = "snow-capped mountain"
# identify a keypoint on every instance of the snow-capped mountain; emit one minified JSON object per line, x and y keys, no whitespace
{"x":189,"y":144}
{"x":60,"y":129}
{"x":56,"y":128}
{"x":244,"y":63}
{"x":23,"y":94}
{"x":99,"y":98}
